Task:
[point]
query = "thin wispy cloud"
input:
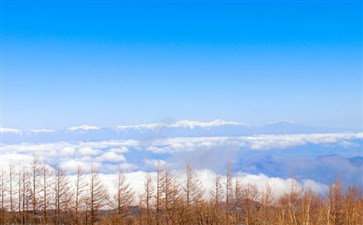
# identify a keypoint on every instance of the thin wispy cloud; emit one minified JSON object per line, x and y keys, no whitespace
{"x":10,"y":130}
{"x":84,"y":127}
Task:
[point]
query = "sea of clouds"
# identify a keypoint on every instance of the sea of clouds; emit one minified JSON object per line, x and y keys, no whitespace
{"x":276,"y":160}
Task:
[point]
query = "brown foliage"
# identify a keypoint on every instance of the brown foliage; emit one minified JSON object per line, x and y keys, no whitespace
{"x":166,"y":201}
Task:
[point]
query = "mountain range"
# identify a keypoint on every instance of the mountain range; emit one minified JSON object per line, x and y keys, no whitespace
{"x":183,"y":128}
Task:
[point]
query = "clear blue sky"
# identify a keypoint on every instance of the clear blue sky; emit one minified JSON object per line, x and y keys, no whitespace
{"x":121,"y":62}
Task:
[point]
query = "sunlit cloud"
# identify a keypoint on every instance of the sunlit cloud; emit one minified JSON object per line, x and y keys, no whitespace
{"x":84,"y":127}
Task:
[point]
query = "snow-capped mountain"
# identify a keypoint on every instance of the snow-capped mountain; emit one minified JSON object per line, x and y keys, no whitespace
{"x":183,"y":128}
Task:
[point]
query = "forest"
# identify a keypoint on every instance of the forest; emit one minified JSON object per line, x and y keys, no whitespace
{"x":40,"y":194}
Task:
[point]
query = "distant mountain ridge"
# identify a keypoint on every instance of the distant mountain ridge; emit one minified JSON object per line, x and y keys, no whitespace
{"x":183,"y":128}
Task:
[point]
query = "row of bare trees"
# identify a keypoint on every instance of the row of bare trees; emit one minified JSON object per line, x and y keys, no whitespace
{"x":39,"y":194}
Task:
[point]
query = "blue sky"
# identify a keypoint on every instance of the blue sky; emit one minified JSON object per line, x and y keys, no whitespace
{"x":124,"y":62}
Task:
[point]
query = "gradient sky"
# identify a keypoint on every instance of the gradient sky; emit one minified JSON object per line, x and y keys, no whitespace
{"x":121,"y":62}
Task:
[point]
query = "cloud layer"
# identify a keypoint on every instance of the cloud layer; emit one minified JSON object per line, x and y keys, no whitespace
{"x":318,"y":157}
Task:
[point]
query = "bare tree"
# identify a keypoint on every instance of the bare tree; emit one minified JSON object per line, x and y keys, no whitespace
{"x":335,"y":208}
{"x":249,"y":198}
{"x":193,"y":188}
{"x":11,"y":194}
{"x":353,"y":207}
{"x":294,"y":197}
{"x":264,"y":217}
{"x":124,"y":195}
{"x":62,"y":196}
{"x":306,"y":204}
{"x":159,"y":187}
{"x":80,"y":188}
{"x":147,"y":196}
{"x":217,"y":192}
{"x":237,"y":200}
{"x":176,"y":199}
{"x":166,"y":195}
{"x":229,"y":193}
{"x":26,"y":194}
{"x":186,"y":205}
{"x":169,"y":195}
{"x":35,"y":187}
{"x":97,"y":194}
{"x":217,"y":199}
{"x":3,"y":188}
{"x":19,"y":184}
{"x":193,"y":193}
{"x":11,"y":190}
{"x":46,"y":173}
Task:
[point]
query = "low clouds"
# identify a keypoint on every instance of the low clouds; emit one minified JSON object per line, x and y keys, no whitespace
{"x":111,"y":157}
{"x":88,"y":151}
{"x":207,"y":177}
{"x":317,"y":157}
{"x":258,"y":142}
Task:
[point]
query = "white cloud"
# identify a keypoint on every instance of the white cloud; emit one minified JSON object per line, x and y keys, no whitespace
{"x":279,"y":186}
{"x":258,"y":142}
{"x":84,"y":127}
{"x":14,"y":158}
{"x":127,"y":166}
{"x":67,"y":151}
{"x":154,"y":163}
{"x":10,"y":130}
{"x":72,"y":165}
{"x":88,"y":151}
{"x":150,"y":126}
{"x":110,"y":143}
{"x":114,"y":168}
{"x":348,"y":144}
{"x":87,"y":159}
{"x":41,"y":131}
{"x":121,"y":149}
{"x":314,"y":186}
{"x":175,"y":145}
{"x":214,"y":152}
{"x":111,"y":157}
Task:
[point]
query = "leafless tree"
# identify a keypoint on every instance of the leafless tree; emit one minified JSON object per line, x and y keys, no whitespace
{"x":193,"y":193}
{"x":193,"y":188}
{"x":80,"y":188}
{"x":62,"y":196}
{"x":229,"y":193}
{"x":263,"y":215}
{"x":217,"y":192}
{"x":26,"y":194}
{"x":217,"y":199}
{"x":124,"y":196}
{"x":97,"y":195}
{"x":3,"y":189}
{"x":35,"y":187}
{"x":250,"y":196}
{"x":159,"y":187}
{"x":147,"y":196}
{"x":169,"y":195}
{"x":186,"y":205}
{"x":46,"y":173}
{"x":335,"y":208}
